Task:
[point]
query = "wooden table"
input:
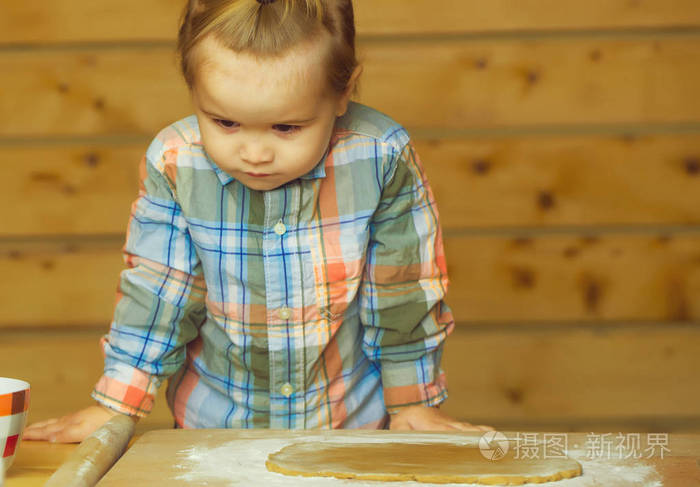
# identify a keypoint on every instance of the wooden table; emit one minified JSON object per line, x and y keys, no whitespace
{"x":37,"y":460}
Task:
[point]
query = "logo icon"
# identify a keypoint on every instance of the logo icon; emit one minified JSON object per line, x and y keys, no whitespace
{"x":493,"y":445}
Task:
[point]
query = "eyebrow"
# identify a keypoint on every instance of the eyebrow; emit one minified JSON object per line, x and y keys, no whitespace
{"x":286,"y":122}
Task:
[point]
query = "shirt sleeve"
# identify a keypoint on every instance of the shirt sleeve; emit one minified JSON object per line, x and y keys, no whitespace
{"x":160,"y":300}
{"x":405,"y":318}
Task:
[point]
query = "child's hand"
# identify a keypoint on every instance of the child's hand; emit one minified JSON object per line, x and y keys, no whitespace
{"x":72,"y":428}
{"x":425,"y":418}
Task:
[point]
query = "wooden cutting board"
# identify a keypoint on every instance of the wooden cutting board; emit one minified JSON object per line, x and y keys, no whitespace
{"x":237,"y":457}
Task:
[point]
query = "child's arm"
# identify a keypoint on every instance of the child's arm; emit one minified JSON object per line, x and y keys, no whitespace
{"x":161,"y":299}
{"x":405,"y":318}
{"x":160,"y":306}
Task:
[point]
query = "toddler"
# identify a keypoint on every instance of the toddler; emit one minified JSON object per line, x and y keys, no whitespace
{"x":285,"y":266}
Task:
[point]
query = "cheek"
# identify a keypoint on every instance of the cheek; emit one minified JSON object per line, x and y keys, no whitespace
{"x":307,"y":152}
{"x":215,"y":146}
{"x":316,"y":144}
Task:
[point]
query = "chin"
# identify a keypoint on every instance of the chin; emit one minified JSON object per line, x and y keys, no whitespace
{"x":261,"y":185}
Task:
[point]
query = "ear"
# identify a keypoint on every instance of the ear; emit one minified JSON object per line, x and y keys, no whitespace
{"x":349,"y":90}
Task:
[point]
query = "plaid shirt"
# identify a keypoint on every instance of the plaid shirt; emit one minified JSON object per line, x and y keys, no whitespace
{"x":318,"y":304}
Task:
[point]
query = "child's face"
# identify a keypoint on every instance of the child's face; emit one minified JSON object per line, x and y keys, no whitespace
{"x":265,"y":122}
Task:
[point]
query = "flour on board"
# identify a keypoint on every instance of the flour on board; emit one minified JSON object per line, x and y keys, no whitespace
{"x":243,"y":463}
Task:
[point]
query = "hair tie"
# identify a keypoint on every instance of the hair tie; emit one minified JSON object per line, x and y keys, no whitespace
{"x":265,"y":2}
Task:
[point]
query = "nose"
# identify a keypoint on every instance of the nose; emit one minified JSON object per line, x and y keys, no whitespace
{"x":255,"y":152}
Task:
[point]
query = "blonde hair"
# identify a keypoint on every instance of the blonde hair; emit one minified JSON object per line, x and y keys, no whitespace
{"x":270,"y":29}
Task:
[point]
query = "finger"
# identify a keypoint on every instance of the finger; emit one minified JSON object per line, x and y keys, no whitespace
{"x":74,"y":418}
{"x":435,"y":426}
{"x":464,"y":427}
{"x":71,"y":429}
{"x":52,"y":430}
{"x":398,"y":424}
{"x":40,"y":424}
{"x":73,"y":434}
{"x":34,"y":434}
{"x":436,"y":423}
{"x":42,"y":432}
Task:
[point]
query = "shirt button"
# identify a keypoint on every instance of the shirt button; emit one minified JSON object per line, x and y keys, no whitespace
{"x":285,"y":313}
{"x":280,"y":228}
{"x":287,"y":389}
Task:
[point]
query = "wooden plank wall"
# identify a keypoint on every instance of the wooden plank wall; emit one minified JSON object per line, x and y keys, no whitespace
{"x":562,"y":139}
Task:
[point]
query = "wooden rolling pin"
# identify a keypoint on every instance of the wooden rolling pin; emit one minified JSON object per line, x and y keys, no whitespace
{"x":95,"y":455}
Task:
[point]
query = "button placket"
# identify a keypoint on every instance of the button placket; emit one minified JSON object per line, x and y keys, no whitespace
{"x":275,"y":301}
{"x":287,"y":377}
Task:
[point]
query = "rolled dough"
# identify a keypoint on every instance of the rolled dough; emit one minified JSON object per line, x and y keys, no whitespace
{"x":436,"y":462}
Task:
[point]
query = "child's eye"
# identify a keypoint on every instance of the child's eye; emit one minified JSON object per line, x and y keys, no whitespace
{"x":286,"y":129}
{"x":227,"y":124}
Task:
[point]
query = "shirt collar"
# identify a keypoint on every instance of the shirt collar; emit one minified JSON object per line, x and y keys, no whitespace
{"x":223,"y":176}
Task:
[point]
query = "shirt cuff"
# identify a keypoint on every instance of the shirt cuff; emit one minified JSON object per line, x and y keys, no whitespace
{"x":414,"y":383}
{"x":133,"y":397}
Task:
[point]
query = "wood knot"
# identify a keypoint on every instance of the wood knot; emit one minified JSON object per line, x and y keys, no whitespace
{"x":481,"y":166}
{"x":99,"y":103}
{"x":523,"y":277}
{"x":592,"y":296}
{"x":481,"y":63}
{"x":545,"y":200}
{"x":71,"y":248}
{"x":47,"y":265}
{"x":571,"y":252}
{"x":522,"y":242}
{"x":14,"y":254}
{"x":692,"y":166}
{"x":514,"y":394}
{"x":91,"y":159}
{"x":592,"y":293}
{"x":678,"y":304}
{"x":595,"y":55}
{"x":532,"y":77}
{"x":663,"y":239}
{"x":44,"y":177}
{"x":63,"y":87}
{"x":589,"y":240}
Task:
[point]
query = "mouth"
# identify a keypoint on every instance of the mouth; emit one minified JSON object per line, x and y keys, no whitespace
{"x":258,"y":175}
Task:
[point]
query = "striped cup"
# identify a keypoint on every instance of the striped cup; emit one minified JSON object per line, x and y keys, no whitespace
{"x":14,"y":403}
